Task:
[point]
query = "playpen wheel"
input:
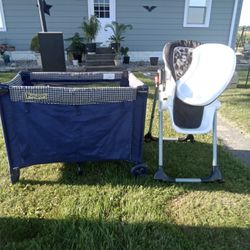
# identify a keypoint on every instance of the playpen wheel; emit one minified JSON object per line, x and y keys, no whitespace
{"x":138,"y":170}
{"x":79,"y":168}
{"x":14,"y":175}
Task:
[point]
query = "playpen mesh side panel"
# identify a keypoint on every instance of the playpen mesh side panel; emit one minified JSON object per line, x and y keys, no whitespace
{"x":71,"y":96}
{"x":75,"y":76}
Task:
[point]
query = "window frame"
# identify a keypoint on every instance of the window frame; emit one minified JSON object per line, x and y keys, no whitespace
{"x":207,"y":15}
{"x":2,"y":17}
{"x":98,"y":8}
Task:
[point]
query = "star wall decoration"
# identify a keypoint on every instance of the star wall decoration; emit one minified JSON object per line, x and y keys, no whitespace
{"x":46,"y":8}
{"x":149,"y":8}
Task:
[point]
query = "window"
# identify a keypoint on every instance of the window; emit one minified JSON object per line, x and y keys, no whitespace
{"x":102,"y":8}
{"x":197,"y":13}
{"x":2,"y":21}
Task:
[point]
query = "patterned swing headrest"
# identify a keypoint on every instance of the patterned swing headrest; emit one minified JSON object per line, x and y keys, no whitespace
{"x":178,"y":56}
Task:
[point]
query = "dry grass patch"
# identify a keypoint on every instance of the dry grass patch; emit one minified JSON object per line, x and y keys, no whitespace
{"x":213,"y":209}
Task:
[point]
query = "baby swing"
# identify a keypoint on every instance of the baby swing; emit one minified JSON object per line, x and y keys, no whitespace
{"x":192,"y":81}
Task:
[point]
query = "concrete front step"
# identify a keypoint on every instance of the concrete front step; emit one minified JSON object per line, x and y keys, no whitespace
{"x":103,"y":68}
{"x":103,"y":57}
{"x":104,"y":51}
{"x":100,"y":56}
{"x":99,"y":62}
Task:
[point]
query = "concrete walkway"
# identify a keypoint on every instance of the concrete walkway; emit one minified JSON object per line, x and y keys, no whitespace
{"x":234,"y":140}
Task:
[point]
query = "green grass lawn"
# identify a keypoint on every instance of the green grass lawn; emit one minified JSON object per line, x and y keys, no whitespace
{"x":106,"y":208}
{"x":236,"y":104}
{"x":4,"y":77}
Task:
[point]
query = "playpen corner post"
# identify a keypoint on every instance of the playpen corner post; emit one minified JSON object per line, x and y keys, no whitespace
{"x":125,"y":79}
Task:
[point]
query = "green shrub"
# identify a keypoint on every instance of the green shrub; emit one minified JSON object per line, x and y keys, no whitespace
{"x":34,"y":44}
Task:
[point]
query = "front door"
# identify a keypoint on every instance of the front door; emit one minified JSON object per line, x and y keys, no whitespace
{"x":105,"y":12}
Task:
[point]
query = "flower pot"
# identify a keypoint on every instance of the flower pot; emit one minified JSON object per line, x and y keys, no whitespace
{"x":118,"y":62}
{"x":38,"y":59}
{"x":75,"y":63}
{"x":91,"y":48}
{"x":126,"y":59}
{"x":77,"y":56}
{"x":115,"y":47}
{"x":6,"y":59}
{"x":154,"y":60}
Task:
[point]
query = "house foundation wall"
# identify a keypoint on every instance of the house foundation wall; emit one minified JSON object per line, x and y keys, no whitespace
{"x":135,"y":56}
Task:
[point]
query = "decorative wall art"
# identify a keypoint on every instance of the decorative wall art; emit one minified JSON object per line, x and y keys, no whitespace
{"x":149,"y":8}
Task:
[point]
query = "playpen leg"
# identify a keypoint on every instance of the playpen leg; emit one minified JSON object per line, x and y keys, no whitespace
{"x":79,"y":168}
{"x":14,"y":175}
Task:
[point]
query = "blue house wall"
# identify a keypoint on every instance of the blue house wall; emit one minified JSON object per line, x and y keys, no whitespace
{"x":151,"y":30}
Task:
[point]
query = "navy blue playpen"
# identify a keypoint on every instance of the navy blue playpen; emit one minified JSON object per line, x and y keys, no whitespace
{"x":73,"y":117}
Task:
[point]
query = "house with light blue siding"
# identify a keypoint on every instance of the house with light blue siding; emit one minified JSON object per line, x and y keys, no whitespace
{"x":155,"y":22}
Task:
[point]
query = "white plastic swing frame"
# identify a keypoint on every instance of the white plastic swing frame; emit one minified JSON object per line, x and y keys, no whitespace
{"x":206,"y":59}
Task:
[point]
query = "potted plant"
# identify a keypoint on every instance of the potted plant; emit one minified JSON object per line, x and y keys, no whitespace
{"x":5,"y":57}
{"x":118,"y":30}
{"x":124,"y":52}
{"x":35,"y":47}
{"x":90,"y":29}
{"x":76,"y":47}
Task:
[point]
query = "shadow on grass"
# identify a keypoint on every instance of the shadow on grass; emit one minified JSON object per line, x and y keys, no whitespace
{"x":244,"y":86}
{"x":80,"y":233}
{"x":180,"y":160}
{"x":151,"y":96}
{"x":244,"y":156}
{"x":237,"y":99}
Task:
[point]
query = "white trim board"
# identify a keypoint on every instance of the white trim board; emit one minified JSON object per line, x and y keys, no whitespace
{"x":207,"y":17}
{"x":103,"y":34}
{"x":2,"y":17}
{"x":231,"y":33}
